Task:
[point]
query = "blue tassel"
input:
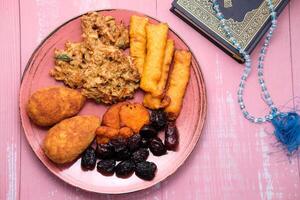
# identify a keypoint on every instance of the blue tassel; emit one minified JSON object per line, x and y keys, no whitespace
{"x":287,"y":130}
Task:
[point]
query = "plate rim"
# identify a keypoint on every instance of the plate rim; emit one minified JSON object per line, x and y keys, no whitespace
{"x":196,"y":136}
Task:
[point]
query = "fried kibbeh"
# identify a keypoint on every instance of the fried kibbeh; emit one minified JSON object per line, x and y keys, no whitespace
{"x":69,"y":138}
{"x":111,"y":116}
{"x":50,"y":105}
{"x":134,"y":116}
{"x":178,"y":81}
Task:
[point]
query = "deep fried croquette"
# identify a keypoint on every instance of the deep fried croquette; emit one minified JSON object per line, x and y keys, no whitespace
{"x":111,"y":116}
{"x":178,"y":81}
{"x":69,"y":138}
{"x":138,"y":41}
{"x":49,"y":105}
{"x":134,"y":116}
{"x":156,"y":43}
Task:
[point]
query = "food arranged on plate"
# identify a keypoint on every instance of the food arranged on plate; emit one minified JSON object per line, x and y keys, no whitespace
{"x":66,"y":140}
{"x":99,"y":68}
{"x":98,"y":65}
{"x":50,"y":105}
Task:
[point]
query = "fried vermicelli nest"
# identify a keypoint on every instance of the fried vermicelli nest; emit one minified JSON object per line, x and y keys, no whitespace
{"x":97,"y":66}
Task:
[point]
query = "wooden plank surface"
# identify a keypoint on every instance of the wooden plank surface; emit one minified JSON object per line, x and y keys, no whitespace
{"x":295,"y":58}
{"x":9,"y":115}
{"x":233,"y":160}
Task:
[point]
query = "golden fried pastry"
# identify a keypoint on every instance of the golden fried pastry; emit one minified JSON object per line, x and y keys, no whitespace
{"x":105,"y":134}
{"x":111,"y":116}
{"x":156,"y":43}
{"x":138,"y":41}
{"x":169,"y":51}
{"x":134,"y":116}
{"x":178,"y":81}
{"x":69,"y":138}
{"x":108,"y":132}
{"x":125,"y":132}
{"x":50,"y":105}
{"x":156,"y":101}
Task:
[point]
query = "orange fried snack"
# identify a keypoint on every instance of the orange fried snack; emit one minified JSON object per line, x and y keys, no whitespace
{"x":156,"y":101}
{"x":50,"y":105}
{"x":111,"y":116}
{"x":138,"y":41}
{"x":156,"y":43}
{"x":178,"y":81}
{"x":125,"y":132}
{"x":69,"y":138}
{"x":108,"y":132}
{"x":134,"y":116}
{"x":102,"y":140}
{"x":105,"y":134}
{"x":169,"y":51}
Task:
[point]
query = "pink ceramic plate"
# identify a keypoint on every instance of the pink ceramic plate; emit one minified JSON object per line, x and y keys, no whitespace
{"x":190,"y":121}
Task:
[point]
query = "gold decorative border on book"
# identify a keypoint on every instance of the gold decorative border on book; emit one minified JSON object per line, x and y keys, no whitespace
{"x":243,"y":31}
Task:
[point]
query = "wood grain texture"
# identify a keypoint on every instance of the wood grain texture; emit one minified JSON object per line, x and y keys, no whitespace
{"x":233,"y":160}
{"x":42,"y":17}
{"x":9,"y":115}
{"x":295,"y":58}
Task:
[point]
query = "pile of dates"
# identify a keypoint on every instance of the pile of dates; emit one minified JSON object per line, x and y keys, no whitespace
{"x":127,"y":156}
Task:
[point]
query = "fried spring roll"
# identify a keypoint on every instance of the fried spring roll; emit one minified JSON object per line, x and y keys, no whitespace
{"x":165,"y":68}
{"x":138,"y":41}
{"x":156,"y":43}
{"x":155,"y":101}
{"x":178,"y":81}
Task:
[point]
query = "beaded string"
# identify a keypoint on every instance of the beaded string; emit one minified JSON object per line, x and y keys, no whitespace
{"x":267,"y":98}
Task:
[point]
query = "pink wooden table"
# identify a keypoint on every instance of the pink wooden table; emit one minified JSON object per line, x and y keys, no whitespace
{"x":233,"y":160}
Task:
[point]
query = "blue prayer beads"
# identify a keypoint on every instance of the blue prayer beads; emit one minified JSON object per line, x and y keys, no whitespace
{"x":274,"y":111}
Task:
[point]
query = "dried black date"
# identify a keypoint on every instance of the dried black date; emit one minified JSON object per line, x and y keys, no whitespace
{"x":106,"y":167}
{"x":171,"y":136}
{"x":158,"y":119}
{"x":140,"y":155}
{"x":157,"y":147}
{"x":104,"y":151}
{"x":148,"y":131}
{"x":121,"y":152}
{"x":145,"y":170}
{"x":88,"y":159}
{"x":144,"y":143}
{"x":134,"y":142}
{"x":125,"y":168}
